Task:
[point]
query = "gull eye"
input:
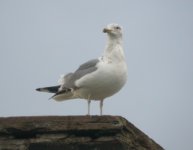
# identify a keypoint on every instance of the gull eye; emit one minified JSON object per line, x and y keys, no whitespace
{"x":117,"y":27}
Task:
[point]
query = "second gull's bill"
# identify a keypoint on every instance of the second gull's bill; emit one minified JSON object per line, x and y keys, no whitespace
{"x":96,"y":79}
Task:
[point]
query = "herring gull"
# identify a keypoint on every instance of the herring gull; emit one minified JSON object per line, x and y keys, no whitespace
{"x":98,"y":78}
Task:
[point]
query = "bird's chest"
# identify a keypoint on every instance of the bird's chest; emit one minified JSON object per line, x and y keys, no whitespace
{"x":107,"y":80}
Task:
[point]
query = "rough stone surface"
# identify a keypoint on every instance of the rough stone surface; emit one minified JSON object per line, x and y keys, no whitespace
{"x":72,"y":133}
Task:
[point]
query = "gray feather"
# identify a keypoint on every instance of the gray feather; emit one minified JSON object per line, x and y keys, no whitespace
{"x":83,"y":70}
{"x":70,"y":79}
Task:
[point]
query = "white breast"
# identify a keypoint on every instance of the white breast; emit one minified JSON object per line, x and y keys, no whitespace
{"x":107,"y":80}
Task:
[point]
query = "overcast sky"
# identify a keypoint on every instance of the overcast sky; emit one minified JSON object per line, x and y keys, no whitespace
{"x":40,"y":40}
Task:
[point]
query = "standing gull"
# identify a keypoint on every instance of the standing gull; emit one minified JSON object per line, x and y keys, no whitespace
{"x":98,"y":78}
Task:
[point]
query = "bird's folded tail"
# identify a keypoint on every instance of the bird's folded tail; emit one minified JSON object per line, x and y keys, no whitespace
{"x":52,"y":89}
{"x":59,"y":94}
{"x":64,"y":94}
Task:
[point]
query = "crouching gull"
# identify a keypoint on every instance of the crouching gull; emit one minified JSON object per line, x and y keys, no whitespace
{"x":96,"y":79}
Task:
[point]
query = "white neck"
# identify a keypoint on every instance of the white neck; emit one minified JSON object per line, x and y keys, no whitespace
{"x":114,"y":49}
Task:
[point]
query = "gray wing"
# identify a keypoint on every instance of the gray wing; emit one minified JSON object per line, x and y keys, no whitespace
{"x":89,"y":64}
{"x":83,"y":70}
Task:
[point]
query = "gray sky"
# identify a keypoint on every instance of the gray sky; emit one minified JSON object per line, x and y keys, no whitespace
{"x":39,"y":40}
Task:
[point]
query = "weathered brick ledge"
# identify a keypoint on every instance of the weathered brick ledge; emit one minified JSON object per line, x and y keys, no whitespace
{"x":72,"y":133}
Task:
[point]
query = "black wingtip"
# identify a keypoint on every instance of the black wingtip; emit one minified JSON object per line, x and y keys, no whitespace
{"x":38,"y":89}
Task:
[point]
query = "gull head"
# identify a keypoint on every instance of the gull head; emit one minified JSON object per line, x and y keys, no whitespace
{"x":113,"y":30}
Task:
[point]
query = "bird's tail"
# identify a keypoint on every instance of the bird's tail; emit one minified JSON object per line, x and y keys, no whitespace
{"x":64,"y":94}
{"x":51,"y":89}
{"x":59,"y":94}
